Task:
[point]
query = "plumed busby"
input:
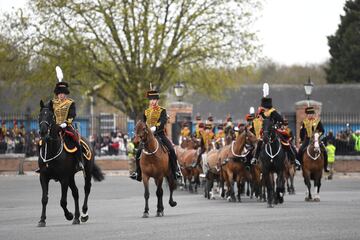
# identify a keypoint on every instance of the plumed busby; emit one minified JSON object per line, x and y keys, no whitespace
{"x":210,"y":118}
{"x":201,"y":125}
{"x":286,"y":122}
{"x":220,"y":127}
{"x":153,"y":94}
{"x":61,"y":87}
{"x":266,"y":102}
{"x":208,"y":126}
{"x":310,"y":110}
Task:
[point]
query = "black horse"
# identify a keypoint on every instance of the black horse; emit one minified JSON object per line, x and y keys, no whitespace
{"x":57,"y":164}
{"x":272,"y":158}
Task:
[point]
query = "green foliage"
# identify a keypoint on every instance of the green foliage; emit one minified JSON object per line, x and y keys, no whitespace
{"x":128,"y":44}
{"x":344,"y":65}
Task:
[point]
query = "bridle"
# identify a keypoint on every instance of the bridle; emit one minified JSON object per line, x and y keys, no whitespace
{"x":144,"y":140}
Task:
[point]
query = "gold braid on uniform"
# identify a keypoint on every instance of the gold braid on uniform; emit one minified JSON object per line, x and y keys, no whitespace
{"x":152,"y":116}
{"x":61,"y":110}
{"x":310,"y":126}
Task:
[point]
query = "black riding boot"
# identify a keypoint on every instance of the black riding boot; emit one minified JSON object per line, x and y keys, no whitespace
{"x":137,"y":174}
{"x":257,"y":152}
{"x":174,"y":165}
{"x":79,"y":157}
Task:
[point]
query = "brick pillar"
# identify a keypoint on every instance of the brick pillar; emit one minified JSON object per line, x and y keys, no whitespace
{"x":300,"y":114}
{"x":175,"y":108}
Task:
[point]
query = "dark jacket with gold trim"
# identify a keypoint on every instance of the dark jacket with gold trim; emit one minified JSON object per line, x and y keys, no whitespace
{"x":64,"y":111}
{"x":156,"y":116}
{"x":309,"y":126}
{"x":273,"y":115}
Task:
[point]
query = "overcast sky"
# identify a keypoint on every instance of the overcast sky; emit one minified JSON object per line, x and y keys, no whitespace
{"x":291,"y":31}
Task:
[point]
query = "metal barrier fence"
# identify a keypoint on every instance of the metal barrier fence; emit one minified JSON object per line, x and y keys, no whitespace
{"x":342,"y":125}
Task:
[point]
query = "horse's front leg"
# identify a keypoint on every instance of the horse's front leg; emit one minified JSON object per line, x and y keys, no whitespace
{"x":317,"y":184}
{"x":87,"y":188}
{"x":307,"y":182}
{"x":159,"y":194}
{"x":280,"y":186}
{"x":172,"y":187}
{"x":146,"y":196}
{"x":63,"y":201}
{"x":75,"y":194}
{"x":44,"y":181}
{"x":270,"y":189}
{"x":230,"y":186}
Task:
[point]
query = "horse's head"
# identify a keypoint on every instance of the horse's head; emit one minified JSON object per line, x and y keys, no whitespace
{"x":268,"y":130}
{"x":46,"y":120}
{"x":141,"y":132}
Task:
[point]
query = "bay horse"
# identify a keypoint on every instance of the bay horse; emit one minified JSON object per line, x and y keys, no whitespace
{"x":272,"y":158}
{"x":312,"y":167}
{"x":231,"y":158}
{"x":57,"y":164}
{"x":154,"y":162}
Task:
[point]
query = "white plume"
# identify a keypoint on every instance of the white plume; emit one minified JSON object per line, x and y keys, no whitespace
{"x":59,"y":73}
{"x":252,"y":110}
{"x":265,"y":90}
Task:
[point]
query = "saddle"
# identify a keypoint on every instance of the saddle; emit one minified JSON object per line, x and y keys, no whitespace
{"x":70,"y":145}
{"x":284,"y":137}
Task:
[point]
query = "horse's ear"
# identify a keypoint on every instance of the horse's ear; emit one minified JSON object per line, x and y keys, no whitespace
{"x":41,"y":103}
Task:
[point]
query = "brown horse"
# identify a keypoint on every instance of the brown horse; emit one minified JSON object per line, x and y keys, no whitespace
{"x":154,"y":162}
{"x":312,"y":167}
{"x":231,"y":158}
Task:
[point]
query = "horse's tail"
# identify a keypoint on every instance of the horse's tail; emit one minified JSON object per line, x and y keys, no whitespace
{"x":97,"y":173}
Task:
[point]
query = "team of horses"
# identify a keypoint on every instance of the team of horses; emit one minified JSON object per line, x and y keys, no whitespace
{"x":225,"y":163}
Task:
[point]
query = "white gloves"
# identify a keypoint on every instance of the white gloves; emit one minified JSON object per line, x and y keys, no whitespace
{"x":63,"y":125}
{"x":153,"y":129}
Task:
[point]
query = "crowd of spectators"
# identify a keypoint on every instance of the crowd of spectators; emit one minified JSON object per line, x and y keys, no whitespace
{"x":114,"y":143}
{"x":12,"y":140}
{"x":346,"y":141}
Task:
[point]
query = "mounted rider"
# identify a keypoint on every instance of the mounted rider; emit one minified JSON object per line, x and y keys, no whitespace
{"x":65,"y":112}
{"x":210,"y":121}
{"x":287,"y":138}
{"x":197,"y":126}
{"x":309,"y":126}
{"x":155,"y":118}
{"x":266,"y":111}
{"x":185,"y":131}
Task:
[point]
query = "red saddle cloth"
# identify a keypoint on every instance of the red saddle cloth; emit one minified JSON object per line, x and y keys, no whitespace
{"x":284,"y":136}
{"x":74,"y":137}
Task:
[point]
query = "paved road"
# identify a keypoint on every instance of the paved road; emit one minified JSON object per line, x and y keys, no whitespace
{"x":116,"y":206}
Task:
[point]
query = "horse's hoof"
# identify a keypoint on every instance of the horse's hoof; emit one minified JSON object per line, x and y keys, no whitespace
{"x":42,"y":224}
{"x":69,"y":216}
{"x":84,"y":218}
{"x":316,"y":199}
{"x":145,"y":215}
{"x":270,"y":205}
{"x":76,"y":221}
{"x":172,"y":203}
{"x":307,"y":199}
{"x":160,"y":214}
{"x":281,"y":200}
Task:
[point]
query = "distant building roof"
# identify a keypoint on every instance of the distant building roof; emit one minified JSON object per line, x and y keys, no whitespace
{"x":338,"y":98}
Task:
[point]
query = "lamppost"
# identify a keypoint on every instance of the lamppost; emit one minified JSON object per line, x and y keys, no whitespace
{"x":308,"y":89}
{"x":179,"y":89}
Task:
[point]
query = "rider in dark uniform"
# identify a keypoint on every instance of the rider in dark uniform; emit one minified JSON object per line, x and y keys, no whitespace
{"x":310,"y":125}
{"x":267,"y":111}
{"x":156,"y":119}
{"x":65,"y":112}
{"x":287,"y":138}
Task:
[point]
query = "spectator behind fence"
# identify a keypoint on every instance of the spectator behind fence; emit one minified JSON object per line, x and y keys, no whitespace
{"x":356,"y":137}
{"x":329,"y":137}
